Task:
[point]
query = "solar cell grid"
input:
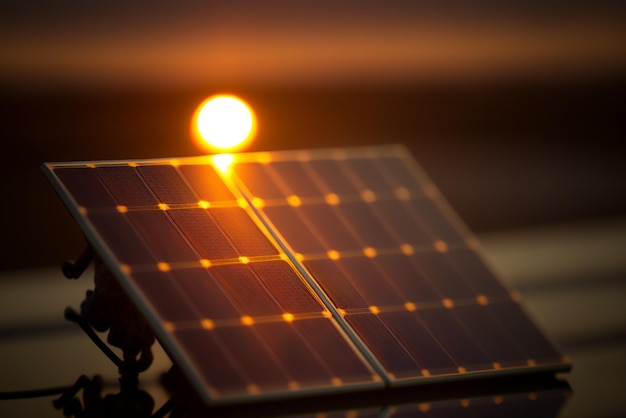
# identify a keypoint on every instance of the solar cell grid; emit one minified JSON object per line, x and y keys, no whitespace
{"x":293,"y":272}
{"x":375,"y":236}
{"x":190,"y":249}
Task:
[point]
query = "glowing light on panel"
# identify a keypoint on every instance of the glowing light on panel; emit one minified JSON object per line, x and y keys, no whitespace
{"x":223,"y":123}
{"x":223,"y":162}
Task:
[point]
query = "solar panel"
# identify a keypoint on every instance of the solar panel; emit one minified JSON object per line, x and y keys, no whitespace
{"x":275,"y":275}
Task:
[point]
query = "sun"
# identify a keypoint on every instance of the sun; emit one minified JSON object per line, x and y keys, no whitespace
{"x":223,"y":123}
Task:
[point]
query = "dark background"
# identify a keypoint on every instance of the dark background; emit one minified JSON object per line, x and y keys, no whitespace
{"x":516,"y":111}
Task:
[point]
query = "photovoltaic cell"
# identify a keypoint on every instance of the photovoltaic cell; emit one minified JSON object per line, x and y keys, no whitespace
{"x":292,"y":273}
{"x":167,"y":184}
{"x":421,"y":344}
{"x":206,"y":183}
{"x":124,"y":242}
{"x":126,"y":186}
{"x":203,"y":232}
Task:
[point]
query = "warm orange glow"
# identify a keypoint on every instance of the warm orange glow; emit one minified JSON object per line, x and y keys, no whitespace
{"x":223,"y":123}
{"x":163,"y":266}
{"x":247,"y":320}
{"x":207,"y":324}
{"x":369,"y":252}
{"x":223,"y":162}
{"x":374,"y":309}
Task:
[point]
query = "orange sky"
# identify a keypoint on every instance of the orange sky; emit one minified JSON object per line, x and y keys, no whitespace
{"x":220,"y":44}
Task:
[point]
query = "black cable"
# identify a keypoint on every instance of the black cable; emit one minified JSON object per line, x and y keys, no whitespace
{"x":34,"y":393}
{"x":72,"y":315}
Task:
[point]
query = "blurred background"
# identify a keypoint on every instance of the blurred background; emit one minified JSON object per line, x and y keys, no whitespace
{"x":514,"y":109}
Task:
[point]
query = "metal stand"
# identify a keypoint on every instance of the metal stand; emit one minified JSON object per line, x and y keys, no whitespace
{"x":107,"y":308}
